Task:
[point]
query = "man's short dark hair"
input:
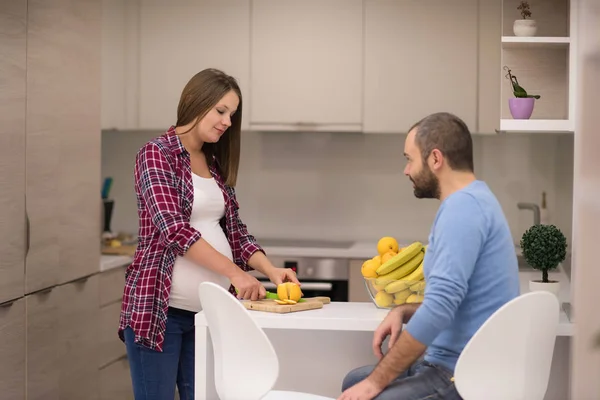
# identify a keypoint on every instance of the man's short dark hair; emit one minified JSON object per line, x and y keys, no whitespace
{"x":450,"y":135}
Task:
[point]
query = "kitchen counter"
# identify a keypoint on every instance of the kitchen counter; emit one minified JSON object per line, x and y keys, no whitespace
{"x":314,"y":346}
{"x":362,"y":250}
{"x":341,"y":316}
{"x":110,"y":262}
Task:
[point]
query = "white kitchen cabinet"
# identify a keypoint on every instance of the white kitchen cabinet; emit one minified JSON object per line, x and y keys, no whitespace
{"x":421,"y":57}
{"x":13,"y":41}
{"x":179,"y":40}
{"x":12,"y":350}
{"x":307,"y":65}
{"x":120,"y":63}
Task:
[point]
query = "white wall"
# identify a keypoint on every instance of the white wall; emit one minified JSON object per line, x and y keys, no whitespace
{"x":351,"y":186}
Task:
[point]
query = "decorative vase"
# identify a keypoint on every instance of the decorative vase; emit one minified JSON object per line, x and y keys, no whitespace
{"x":521,"y":107}
{"x":525,"y":27}
{"x":551,"y":286}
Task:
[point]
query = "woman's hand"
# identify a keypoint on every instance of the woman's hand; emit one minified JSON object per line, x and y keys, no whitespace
{"x":248,"y":287}
{"x":280,"y":275}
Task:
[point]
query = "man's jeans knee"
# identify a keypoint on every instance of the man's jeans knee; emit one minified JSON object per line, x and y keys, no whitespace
{"x":422,"y":380}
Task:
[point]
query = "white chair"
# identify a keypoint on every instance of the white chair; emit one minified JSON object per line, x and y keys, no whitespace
{"x":246,"y":365}
{"x":510,"y":356}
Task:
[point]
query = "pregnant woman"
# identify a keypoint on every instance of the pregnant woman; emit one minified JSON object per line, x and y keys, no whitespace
{"x":189,"y":232}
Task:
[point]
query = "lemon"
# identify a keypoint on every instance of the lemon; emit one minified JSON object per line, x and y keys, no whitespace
{"x":289,"y":291}
{"x":386,"y":244}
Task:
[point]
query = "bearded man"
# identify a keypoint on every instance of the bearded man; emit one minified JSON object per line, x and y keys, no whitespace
{"x":470,"y":270}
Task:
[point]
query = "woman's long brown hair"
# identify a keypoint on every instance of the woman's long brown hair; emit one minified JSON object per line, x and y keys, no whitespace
{"x":198,"y":97}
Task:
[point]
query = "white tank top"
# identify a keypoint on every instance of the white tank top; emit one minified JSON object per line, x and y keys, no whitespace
{"x":207,"y":210}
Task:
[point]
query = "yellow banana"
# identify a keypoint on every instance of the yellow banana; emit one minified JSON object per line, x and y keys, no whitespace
{"x":408,"y":280}
{"x":400,"y":259}
{"x":415,"y":298}
{"x":401,"y":272}
{"x":418,"y":287}
{"x":400,"y":297}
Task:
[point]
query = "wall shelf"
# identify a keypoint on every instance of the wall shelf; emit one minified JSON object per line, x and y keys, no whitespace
{"x":544,"y":64}
{"x":536,"y":125}
{"x":537,"y":41}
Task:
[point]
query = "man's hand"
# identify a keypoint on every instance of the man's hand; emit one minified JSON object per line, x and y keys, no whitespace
{"x":391,"y":326}
{"x":364,"y":390}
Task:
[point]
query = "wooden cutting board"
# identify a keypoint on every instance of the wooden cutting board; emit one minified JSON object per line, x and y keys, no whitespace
{"x":268,"y":305}
{"x":125,"y":250}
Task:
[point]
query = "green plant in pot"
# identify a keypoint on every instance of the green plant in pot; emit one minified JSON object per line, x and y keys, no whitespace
{"x":521,"y":106}
{"x":544,"y":248}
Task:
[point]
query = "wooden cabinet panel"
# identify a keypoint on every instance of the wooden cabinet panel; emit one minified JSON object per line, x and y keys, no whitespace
{"x":405,"y":80}
{"x":13,"y":41}
{"x":112,"y":284}
{"x":357,"y":290}
{"x":111,"y":347}
{"x":204,"y":33}
{"x":43,"y":345}
{"x":78,"y":316}
{"x":115,"y":381}
{"x":307,"y":64}
{"x":63,"y":140}
{"x":12,"y":348}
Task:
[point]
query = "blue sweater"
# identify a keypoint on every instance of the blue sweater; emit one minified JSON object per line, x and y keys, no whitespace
{"x":470,"y":270}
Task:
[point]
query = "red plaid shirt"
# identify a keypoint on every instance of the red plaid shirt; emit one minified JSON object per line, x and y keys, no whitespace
{"x":163,"y":185}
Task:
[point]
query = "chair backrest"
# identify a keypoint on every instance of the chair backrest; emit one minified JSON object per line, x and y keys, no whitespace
{"x":246,"y":365}
{"x":510,"y":356}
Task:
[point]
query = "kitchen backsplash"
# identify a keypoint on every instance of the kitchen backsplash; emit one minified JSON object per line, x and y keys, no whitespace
{"x":350,"y":186}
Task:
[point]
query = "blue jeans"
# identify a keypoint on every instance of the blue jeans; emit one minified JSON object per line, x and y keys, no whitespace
{"x":422,"y":381}
{"x":154,"y":374}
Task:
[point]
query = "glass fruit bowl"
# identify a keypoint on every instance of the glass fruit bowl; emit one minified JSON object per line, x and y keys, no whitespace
{"x":395,"y":275}
{"x":389,"y":293}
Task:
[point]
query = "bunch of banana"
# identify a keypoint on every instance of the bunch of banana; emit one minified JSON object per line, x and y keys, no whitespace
{"x":397,"y":278}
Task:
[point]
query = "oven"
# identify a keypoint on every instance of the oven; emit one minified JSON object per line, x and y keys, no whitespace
{"x":318,"y":276}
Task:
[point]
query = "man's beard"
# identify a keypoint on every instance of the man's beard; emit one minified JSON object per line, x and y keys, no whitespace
{"x":427,"y":185}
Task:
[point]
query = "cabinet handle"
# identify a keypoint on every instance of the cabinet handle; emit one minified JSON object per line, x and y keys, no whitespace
{"x":81,"y":280}
{"x":27,"y":234}
{"x":45,"y":291}
{"x":7,"y":304}
{"x":306,"y":124}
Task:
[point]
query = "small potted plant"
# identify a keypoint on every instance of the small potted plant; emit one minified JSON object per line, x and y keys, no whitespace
{"x":524,"y":26}
{"x":544,"y":248}
{"x":521,"y":106}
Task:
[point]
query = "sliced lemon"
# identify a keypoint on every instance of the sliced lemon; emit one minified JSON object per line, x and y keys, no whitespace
{"x":280,"y":302}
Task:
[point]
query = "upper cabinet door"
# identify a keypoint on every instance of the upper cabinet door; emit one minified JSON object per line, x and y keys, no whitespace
{"x":120,"y":64}
{"x":13,"y":45}
{"x":307,"y":65}
{"x":406,"y":80}
{"x":178,"y":40}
